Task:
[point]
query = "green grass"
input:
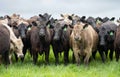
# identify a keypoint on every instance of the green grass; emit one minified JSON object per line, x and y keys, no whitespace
{"x":27,"y":69}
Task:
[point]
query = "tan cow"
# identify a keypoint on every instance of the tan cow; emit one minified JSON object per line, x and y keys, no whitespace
{"x":83,"y":40}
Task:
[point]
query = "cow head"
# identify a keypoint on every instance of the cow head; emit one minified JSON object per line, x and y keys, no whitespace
{"x":58,"y":28}
{"x":102,"y":36}
{"x":42,"y":23}
{"x":22,"y":29}
{"x":18,"y":46}
{"x":41,"y":26}
{"x":13,"y":20}
{"x":78,"y":31}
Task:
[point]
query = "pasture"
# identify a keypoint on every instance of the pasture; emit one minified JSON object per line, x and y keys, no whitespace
{"x":27,"y":69}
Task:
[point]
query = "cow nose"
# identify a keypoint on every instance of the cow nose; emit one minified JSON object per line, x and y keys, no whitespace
{"x":42,"y":35}
{"x":55,"y":38}
{"x":23,"y":36}
{"x":21,"y":55}
{"x":76,"y":38}
{"x":102,"y":44}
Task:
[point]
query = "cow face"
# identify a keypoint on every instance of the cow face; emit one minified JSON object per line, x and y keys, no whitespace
{"x":22,"y":28}
{"x":58,"y":28}
{"x":42,"y":28}
{"x":102,"y":36}
{"x":42,"y":23}
{"x":78,"y":31}
{"x":13,"y":20}
{"x":18,"y":47}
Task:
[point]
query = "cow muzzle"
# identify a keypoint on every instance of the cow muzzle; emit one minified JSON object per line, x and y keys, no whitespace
{"x":56,"y":38}
{"x":20,"y":55}
{"x":102,"y":44}
{"x":77,"y":38}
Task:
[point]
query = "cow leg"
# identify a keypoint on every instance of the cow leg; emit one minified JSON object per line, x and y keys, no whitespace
{"x":30,"y":51}
{"x":102,"y":56}
{"x":35,"y":56}
{"x":6,"y":58}
{"x":10,"y":56}
{"x":16,"y":58}
{"x":73,"y":58}
{"x":87,"y":57}
{"x":24,"y":52}
{"x":56,"y":57}
{"x":77,"y":58}
{"x":66,"y":60}
{"x":47,"y":56}
{"x":93,"y":54}
{"x":111,"y":54}
{"x":106,"y":53}
{"x":0,"y":59}
{"x":117,"y":55}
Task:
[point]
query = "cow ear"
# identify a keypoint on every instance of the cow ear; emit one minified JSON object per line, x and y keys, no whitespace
{"x":8,"y":17}
{"x":49,"y":16}
{"x":71,"y":26}
{"x":34,"y":23}
{"x":70,"y":18}
{"x":83,"y":17}
{"x":40,"y":15}
{"x":61,"y":15}
{"x":85,"y":26}
{"x":72,"y":15}
{"x":112,"y":19}
{"x":99,"y":18}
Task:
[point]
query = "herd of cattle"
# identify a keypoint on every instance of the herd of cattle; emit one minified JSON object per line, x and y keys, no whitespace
{"x":85,"y":36}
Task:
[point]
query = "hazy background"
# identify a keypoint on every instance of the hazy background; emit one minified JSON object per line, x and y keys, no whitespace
{"x":28,"y":8}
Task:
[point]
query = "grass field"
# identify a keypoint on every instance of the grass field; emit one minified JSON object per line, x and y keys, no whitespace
{"x":27,"y":69}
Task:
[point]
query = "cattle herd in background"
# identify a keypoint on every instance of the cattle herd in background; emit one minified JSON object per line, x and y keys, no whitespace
{"x":85,"y":36}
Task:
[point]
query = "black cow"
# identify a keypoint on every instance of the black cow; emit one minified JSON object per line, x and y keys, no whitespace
{"x":106,"y":39}
{"x":60,"y":40}
{"x":21,"y":30}
{"x":4,"y":43}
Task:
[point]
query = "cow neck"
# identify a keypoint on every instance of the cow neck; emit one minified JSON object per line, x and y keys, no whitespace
{"x":12,"y":35}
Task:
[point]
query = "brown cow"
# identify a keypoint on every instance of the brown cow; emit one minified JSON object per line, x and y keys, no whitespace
{"x":117,"y":44}
{"x":84,"y":41}
{"x":4,"y":43}
{"x":40,"y":38}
